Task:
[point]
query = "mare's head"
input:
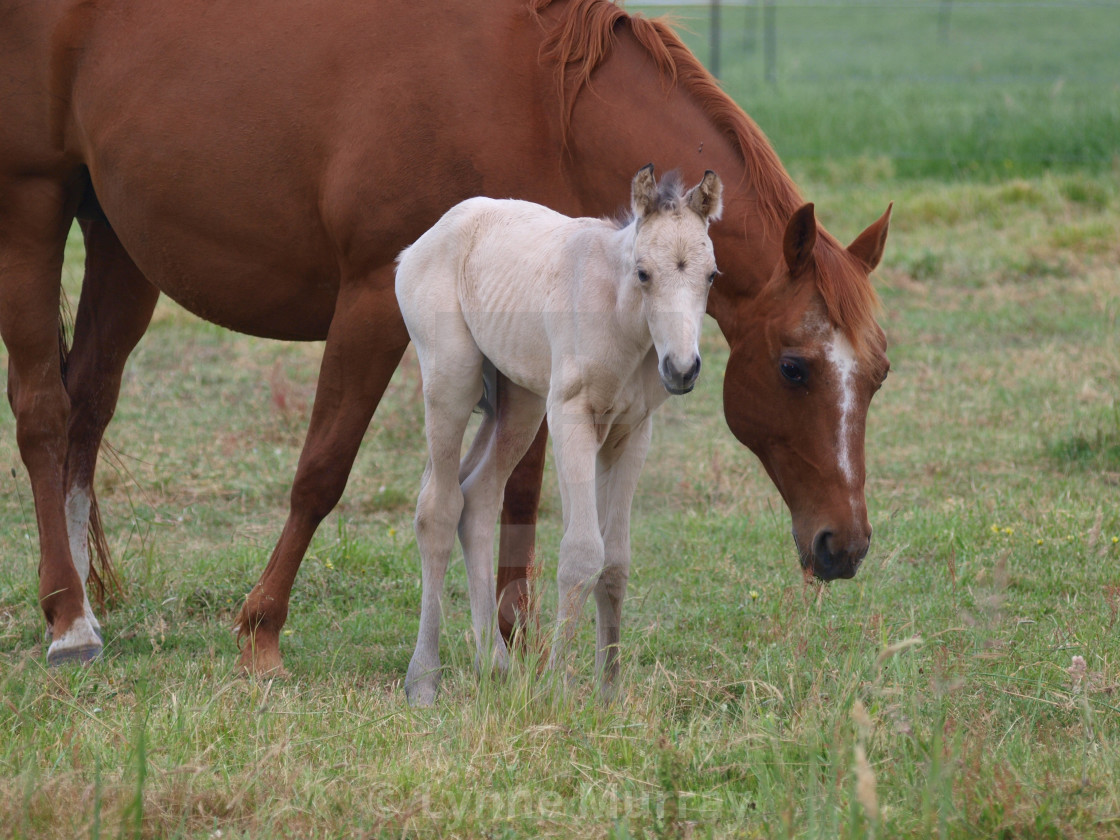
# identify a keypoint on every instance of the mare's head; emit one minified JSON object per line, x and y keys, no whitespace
{"x":674,"y":267}
{"x":801,"y":374}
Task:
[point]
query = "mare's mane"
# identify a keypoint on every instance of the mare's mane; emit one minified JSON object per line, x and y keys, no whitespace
{"x":582,"y":39}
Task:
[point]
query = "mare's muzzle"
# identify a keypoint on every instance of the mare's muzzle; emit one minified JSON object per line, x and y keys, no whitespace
{"x":833,"y":557}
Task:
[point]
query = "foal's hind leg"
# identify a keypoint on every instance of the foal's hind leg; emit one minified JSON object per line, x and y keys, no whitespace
{"x":35,"y":216}
{"x":507,"y":437}
{"x":113,"y":313}
{"x":452,"y":371}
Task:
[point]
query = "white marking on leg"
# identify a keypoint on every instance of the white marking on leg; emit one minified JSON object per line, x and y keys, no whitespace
{"x":77,"y":526}
{"x":843,"y":359}
{"x":77,"y":529}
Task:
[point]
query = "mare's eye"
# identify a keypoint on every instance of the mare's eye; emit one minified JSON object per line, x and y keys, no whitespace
{"x":794,"y":370}
{"x":712,"y":277}
{"x":643,"y":276}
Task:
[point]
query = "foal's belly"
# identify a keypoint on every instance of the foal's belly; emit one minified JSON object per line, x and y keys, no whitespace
{"x":517,"y":345}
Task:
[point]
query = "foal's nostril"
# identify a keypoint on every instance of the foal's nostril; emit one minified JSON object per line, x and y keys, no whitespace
{"x":676,"y":380}
{"x":694,"y":371}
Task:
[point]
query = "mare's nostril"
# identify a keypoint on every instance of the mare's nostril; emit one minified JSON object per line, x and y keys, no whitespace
{"x":821,"y":550}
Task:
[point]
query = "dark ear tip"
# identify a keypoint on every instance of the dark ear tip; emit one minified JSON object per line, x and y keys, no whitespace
{"x":647,"y":168}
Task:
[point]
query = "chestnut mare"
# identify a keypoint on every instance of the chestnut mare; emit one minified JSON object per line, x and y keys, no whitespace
{"x":263,"y":164}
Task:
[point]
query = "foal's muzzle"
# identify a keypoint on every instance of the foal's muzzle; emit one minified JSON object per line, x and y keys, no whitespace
{"x":679,"y":381}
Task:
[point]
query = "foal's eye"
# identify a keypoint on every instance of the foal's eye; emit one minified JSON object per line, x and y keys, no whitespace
{"x":712,"y":277}
{"x":643,"y":276}
{"x":794,"y":370}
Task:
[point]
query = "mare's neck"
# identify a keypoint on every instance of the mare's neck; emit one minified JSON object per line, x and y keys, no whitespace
{"x":626,"y":118}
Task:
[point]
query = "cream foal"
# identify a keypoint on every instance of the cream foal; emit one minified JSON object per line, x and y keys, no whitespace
{"x":588,"y":322}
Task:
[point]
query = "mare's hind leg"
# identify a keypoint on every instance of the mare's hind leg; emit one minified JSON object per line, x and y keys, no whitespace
{"x":451,"y":366}
{"x":364,"y":346}
{"x":507,"y":437}
{"x":113,"y":313}
{"x":35,"y":216}
{"x":516,"y":547}
{"x":620,"y":465}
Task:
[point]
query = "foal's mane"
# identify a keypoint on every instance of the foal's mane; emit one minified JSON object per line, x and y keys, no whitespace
{"x":582,"y":39}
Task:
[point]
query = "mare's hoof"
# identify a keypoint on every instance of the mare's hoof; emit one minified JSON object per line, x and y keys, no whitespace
{"x":79,"y":655}
{"x":80,"y":645}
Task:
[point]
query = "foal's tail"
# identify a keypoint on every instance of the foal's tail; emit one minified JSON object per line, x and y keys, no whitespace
{"x":103,"y":580}
{"x":488,"y":402}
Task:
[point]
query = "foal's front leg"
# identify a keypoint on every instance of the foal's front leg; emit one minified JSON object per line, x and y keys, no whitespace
{"x":581,"y":550}
{"x":619,"y":469}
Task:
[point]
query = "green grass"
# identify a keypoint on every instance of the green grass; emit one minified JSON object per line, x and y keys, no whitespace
{"x":1005,"y":89}
{"x":749,"y":697}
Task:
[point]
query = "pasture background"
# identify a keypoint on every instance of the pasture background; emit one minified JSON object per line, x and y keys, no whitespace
{"x":931,"y":696}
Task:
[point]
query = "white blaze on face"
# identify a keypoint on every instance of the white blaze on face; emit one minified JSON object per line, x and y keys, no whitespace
{"x":843,"y":360}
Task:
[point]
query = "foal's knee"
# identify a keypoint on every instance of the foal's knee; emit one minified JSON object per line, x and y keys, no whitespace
{"x":581,"y":559}
{"x":437,"y":509}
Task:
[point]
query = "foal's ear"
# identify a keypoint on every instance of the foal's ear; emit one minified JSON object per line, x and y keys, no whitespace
{"x":706,"y":198}
{"x":643,"y":192}
{"x":800,"y":239}
{"x":868,"y":246}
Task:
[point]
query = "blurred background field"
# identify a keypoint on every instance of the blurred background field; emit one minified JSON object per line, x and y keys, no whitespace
{"x":942,"y":88}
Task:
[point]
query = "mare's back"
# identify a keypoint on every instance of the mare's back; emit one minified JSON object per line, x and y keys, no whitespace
{"x":249,"y":155}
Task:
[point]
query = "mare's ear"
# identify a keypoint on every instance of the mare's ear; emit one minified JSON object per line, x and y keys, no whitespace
{"x":643,"y":192}
{"x":706,"y":198}
{"x":800,"y":239}
{"x":868,"y":246}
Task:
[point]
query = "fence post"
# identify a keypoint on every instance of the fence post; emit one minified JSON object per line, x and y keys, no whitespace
{"x":943,"y":20}
{"x":750,"y":26}
{"x":714,"y":38}
{"x":770,"y":40}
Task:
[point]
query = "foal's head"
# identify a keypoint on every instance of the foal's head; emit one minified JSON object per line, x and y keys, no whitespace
{"x":674,"y":267}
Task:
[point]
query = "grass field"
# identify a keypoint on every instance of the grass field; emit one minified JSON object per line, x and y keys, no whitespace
{"x":932,"y":696}
{"x":938,"y":694}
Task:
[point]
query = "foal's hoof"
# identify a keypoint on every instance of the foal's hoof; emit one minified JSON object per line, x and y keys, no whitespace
{"x":80,"y":645}
{"x":421,"y":696}
{"x":421,"y":685}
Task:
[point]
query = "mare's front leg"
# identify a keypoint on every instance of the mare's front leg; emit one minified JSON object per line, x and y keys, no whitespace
{"x":502,"y":441}
{"x":620,"y":465}
{"x":364,"y":346}
{"x":575,"y":442}
{"x":114,"y":311}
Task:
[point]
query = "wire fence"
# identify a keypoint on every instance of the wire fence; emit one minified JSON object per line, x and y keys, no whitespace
{"x":956,"y":83}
